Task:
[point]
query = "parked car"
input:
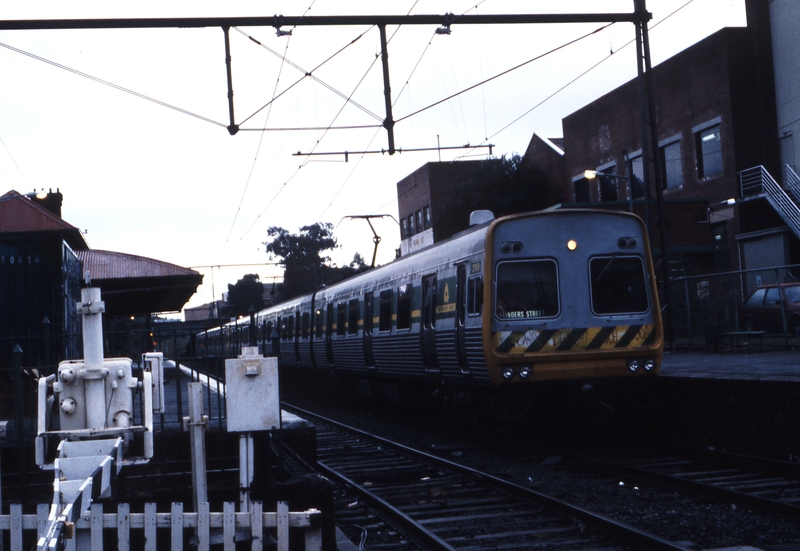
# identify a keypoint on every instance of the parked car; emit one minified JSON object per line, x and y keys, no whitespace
{"x":764,"y":309}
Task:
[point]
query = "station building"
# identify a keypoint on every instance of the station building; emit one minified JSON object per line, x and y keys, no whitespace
{"x":44,"y":262}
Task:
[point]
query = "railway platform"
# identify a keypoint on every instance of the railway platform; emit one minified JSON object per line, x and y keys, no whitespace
{"x":774,"y":365}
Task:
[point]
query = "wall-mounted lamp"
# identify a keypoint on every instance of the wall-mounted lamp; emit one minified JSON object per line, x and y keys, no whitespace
{"x":592,"y":174}
{"x":719,"y":212}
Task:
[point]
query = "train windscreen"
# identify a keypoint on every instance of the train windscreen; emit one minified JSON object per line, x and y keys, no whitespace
{"x":619,"y":285}
{"x":527,"y":289}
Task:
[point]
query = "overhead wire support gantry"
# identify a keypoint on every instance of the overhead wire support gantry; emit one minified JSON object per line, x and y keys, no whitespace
{"x":445,"y":22}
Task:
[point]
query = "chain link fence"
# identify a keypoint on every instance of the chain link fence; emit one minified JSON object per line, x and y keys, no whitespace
{"x":706,"y":306}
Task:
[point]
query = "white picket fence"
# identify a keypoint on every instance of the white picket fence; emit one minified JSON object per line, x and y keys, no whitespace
{"x":208,"y":527}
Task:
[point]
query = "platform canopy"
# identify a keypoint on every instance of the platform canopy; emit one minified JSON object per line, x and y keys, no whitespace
{"x":136,"y":285}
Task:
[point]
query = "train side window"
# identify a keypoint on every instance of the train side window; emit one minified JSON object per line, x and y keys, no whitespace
{"x":318,"y":325}
{"x":288,"y":328}
{"x":352,"y":317}
{"x":281,"y":327}
{"x":385,"y":319}
{"x":404,"y":306}
{"x":527,"y":289}
{"x":306,"y":324}
{"x":341,"y":319}
{"x":329,"y":321}
{"x":475,"y":296}
{"x":619,"y":285}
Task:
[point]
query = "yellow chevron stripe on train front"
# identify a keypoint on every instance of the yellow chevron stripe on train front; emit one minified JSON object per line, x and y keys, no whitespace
{"x":572,"y":339}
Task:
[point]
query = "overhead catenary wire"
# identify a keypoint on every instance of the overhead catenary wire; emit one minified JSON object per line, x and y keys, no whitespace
{"x":112,"y":85}
{"x":573,"y":81}
{"x":13,"y":160}
{"x":507,"y":71}
{"x":310,"y":74}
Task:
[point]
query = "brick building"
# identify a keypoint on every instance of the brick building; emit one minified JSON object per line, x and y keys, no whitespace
{"x":712,"y":124}
{"x":420,"y":194}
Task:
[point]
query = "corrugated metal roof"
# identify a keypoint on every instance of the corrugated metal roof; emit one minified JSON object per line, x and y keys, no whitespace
{"x":113,"y":265}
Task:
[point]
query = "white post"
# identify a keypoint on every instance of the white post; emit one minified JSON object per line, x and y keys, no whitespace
{"x":198,"y":444}
{"x":246,"y":470}
{"x":93,"y":372}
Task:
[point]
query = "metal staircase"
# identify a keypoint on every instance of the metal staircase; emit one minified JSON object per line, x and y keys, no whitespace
{"x":792,"y":183}
{"x":757,"y":180}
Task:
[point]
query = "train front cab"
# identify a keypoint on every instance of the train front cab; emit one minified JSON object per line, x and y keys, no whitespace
{"x":572,"y":296}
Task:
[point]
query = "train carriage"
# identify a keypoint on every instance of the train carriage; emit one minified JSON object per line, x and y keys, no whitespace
{"x":551,"y":295}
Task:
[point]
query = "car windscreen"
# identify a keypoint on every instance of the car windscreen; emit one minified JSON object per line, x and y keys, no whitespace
{"x":618,"y":285}
{"x":527,"y":289}
{"x":757,"y":298}
{"x":792,"y":293}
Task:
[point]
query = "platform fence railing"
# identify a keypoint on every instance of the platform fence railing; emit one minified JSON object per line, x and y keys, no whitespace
{"x":175,"y":530}
{"x":711,"y":304}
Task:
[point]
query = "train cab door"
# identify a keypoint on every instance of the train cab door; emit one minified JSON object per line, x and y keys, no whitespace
{"x":428,"y":325}
{"x":461,"y":318}
{"x":329,"y":333}
{"x":369,"y":355}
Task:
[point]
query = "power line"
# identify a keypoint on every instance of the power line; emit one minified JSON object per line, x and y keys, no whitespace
{"x":112,"y":85}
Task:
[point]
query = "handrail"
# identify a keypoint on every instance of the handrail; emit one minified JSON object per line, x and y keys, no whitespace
{"x":792,"y":182}
{"x":758,"y":180}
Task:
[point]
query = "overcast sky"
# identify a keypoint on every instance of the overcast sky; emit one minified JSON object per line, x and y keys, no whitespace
{"x":157,"y":174}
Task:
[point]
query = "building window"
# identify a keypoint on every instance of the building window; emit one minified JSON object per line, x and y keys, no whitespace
{"x":411,"y":230}
{"x":426,"y":214}
{"x":637,"y":178}
{"x":671,"y":169}
{"x":420,"y":225}
{"x":608,"y":186}
{"x":403,"y":228}
{"x":581,"y":190}
{"x":709,"y":152}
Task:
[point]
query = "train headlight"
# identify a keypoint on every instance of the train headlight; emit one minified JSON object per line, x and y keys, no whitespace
{"x":507,"y":373}
{"x":649,"y":365}
{"x":572,"y":245}
{"x":525,"y":371}
{"x":633,"y":365}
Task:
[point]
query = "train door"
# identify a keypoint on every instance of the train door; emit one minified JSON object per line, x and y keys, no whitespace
{"x":297,"y":326}
{"x":461,"y":318}
{"x":428,"y":325}
{"x":329,"y":333}
{"x":369,"y":356}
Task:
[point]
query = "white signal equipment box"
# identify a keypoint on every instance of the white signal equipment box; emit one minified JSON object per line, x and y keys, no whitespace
{"x":154,"y":363}
{"x":75,"y":405}
{"x":252,"y":396}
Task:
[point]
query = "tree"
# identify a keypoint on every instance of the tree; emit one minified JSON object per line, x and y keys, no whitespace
{"x":305,"y":266}
{"x":504,"y":185}
{"x":246,"y":293}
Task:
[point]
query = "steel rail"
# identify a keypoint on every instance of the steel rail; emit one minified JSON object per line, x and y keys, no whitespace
{"x":617,"y":530}
{"x":715,"y":491}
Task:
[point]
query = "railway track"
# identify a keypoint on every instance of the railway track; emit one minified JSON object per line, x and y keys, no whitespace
{"x":440,"y":505}
{"x":765,"y":484}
